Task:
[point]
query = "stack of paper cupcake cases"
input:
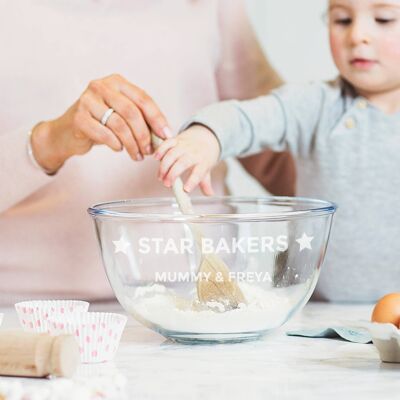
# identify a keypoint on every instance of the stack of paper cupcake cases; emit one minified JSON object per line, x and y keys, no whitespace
{"x":98,"y":334}
{"x":34,"y":315}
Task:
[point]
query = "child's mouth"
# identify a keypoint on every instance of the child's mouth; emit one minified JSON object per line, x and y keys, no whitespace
{"x":362,"y":63}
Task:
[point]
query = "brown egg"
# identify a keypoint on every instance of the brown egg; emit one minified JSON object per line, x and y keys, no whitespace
{"x":387,"y":310}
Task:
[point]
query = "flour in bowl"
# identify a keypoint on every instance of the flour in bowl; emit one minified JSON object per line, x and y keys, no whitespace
{"x":162,"y":307}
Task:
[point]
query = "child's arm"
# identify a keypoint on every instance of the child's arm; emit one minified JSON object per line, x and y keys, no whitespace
{"x":286,"y":120}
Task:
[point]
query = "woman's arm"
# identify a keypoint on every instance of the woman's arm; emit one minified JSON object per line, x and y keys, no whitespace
{"x":18,"y":175}
{"x":244,"y":73}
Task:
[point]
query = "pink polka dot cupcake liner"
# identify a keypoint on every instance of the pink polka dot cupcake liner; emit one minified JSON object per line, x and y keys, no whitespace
{"x":98,"y":334}
{"x":34,"y":315}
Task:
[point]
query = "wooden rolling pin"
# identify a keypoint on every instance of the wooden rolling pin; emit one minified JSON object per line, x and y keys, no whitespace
{"x":37,"y":354}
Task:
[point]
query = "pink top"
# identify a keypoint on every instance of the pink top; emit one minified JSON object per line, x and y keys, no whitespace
{"x":184,"y":53}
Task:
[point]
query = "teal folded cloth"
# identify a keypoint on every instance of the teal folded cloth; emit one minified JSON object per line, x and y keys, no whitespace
{"x":355,"y":335}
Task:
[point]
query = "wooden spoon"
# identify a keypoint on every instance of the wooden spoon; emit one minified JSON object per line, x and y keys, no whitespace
{"x":214,"y":284}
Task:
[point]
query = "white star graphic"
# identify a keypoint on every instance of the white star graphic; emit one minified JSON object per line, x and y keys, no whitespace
{"x":121,"y":245}
{"x":305,"y":242}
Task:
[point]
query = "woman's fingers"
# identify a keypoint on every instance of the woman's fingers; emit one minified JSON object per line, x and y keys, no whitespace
{"x":133,"y":117}
{"x":152,"y":114}
{"x":135,"y":107}
{"x":96,"y":132}
{"x":95,"y":104}
{"x":124,"y":134}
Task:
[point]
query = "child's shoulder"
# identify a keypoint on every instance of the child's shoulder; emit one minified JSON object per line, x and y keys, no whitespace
{"x":327,"y":91}
{"x":328,"y":98}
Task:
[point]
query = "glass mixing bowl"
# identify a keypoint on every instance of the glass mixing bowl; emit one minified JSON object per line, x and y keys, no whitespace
{"x":273,"y":246}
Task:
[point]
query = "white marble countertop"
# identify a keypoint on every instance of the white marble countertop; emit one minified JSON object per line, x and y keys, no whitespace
{"x":277,"y":367}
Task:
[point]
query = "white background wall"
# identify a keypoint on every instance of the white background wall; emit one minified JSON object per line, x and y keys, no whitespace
{"x":294,"y":36}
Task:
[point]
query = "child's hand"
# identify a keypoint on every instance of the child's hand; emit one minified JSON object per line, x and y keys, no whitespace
{"x":197,"y":149}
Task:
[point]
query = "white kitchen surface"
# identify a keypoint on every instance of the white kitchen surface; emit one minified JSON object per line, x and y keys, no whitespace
{"x":278,"y":367}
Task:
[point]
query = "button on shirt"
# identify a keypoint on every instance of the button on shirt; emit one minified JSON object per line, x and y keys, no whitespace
{"x":346,"y":151}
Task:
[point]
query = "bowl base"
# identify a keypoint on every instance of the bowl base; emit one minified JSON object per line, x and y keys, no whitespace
{"x":210,"y":338}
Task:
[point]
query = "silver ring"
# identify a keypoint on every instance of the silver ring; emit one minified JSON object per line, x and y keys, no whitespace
{"x":106,"y":116}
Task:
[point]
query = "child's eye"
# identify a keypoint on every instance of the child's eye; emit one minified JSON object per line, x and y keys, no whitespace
{"x":343,"y":21}
{"x":384,"y":20}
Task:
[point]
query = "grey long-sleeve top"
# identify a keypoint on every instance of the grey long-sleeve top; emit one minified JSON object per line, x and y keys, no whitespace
{"x":346,"y":151}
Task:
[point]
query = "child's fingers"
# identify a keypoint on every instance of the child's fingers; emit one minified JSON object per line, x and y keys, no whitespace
{"x":164,"y":147}
{"x":168,"y":160}
{"x":195,"y":177}
{"x":181,"y":165}
{"x":205,"y":185}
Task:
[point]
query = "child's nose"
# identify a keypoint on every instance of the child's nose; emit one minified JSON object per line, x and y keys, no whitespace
{"x":359,"y":34}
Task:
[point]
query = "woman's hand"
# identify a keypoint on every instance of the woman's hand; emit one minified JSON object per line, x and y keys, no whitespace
{"x":79,"y":128}
{"x":197,"y":149}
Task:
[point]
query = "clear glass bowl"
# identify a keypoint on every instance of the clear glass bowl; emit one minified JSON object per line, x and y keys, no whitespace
{"x":273,"y":246}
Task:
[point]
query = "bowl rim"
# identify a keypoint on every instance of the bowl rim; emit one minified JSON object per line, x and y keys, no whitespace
{"x":325,"y":207}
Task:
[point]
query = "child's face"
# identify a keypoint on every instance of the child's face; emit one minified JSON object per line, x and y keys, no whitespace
{"x":365,"y":42}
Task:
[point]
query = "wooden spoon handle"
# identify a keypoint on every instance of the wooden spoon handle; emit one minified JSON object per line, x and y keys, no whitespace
{"x":182,"y":198}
